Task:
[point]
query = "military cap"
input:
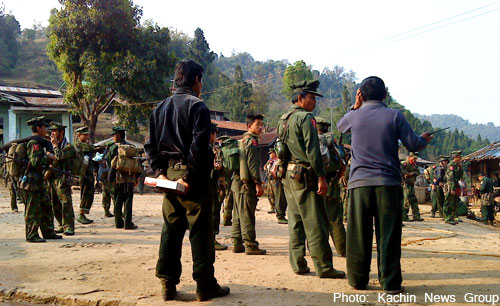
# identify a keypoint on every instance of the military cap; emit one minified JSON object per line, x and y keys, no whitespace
{"x":213,"y":127}
{"x":117,"y":129}
{"x":413,"y":154}
{"x":222,"y":138}
{"x":443,"y":158}
{"x":56,"y":126}
{"x":82,"y":130}
{"x":322,"y":121}
{"x":455,"y":153}
{"x":306,"y":86}
{"x":35,"y":121}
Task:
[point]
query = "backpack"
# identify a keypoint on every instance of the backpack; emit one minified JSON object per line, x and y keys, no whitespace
{"x":78,"y":164}
{"x":230,"y":153}
{"x":331,"y":153}
{"x":125,"y":161}
{"x":17,"y":153}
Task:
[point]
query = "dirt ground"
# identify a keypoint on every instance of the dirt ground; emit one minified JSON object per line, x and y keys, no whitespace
{"x":102,"y":265}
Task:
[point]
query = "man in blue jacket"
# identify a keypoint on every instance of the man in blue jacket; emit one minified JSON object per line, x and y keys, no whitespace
{"x":374,"y":186}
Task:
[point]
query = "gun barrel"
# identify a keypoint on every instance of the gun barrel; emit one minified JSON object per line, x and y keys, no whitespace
{"x":440,"y":130}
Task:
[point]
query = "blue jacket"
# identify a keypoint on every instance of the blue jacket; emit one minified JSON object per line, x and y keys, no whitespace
{"x":375,"y":130}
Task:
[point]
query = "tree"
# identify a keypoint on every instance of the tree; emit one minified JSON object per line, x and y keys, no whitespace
{"x":105,"y":54}
{"x":239,"y":97}
{"x":9,"y":47}
{"x":297,"y":72}
{"x":199,"y":50}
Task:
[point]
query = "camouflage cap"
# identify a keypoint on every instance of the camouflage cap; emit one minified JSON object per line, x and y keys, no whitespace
{"x":456,"y":153}
{"x":35,"y":121}
{"x":322,"y":121}
{"x":306,"y":86}
{"x":117,"y":129}
{"x":413,"y":154}
{"x":443,"y":158}
{"x":213,"y":127}
{"x":82,"y":130}
{"x":56,"y":126}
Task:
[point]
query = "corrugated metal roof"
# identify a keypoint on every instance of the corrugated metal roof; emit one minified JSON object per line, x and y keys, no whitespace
{"x":490,"y":152}
{"x":46,"y":102}
{"x":30,"y":91}
{"x":230,"y":125}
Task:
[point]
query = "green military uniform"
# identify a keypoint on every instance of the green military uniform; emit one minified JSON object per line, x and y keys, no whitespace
{"x":13,"y":186}
{"x":108,"y":188}
{"x":409,"y":173}
{"x":216,"y":187}
{"x":441,"y":179}
{"x":344,"y":192}
{"x":487,"y":200}
{"x":430,"y":176}
{"x":307,"y":217}
{"x":334,"y":167}
{"x":454,"y":173}
{"x":275,"y":192}
{"x":38,"y":212}
{"x":86,"y":181}
{"x":228,"y":202}
{"x":245,"y":198}
{"x":60,"y":184}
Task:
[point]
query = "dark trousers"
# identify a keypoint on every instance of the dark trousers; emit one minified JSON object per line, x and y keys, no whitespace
{"x":217,"y":204}
{"x":124,"y":196}
{"x":382,"y":204}
{"x":280,"y":201}
{"x":193,"y":210}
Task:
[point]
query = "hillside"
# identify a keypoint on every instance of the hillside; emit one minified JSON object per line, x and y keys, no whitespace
{"x":487,"y":131}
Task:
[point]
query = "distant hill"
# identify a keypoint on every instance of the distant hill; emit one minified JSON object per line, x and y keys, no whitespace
{"x":487,"y":131}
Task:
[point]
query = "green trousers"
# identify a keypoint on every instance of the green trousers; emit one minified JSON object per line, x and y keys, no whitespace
{"x":13,"y":194}
{"x":228,"y":205}
{"x":38,"y":213}
{"x":450,"y":206}
{"x":271,"y":193}
{"x":216,"y":207}
{"x":193,"y":210}
{"x":437,"y":200}
{"x":335,"y":214}
{"x":307,"y":220}
{"x":62,"y":203}
{"x":243,"y":230}
{"x":487,"y":212}
{"x":108,"y":191}
{"x":87,"y":191}
{"x":382,"y":204}
{"x":410,"y":200}
{"x":124,"y":197}
{"x":280,"y":200}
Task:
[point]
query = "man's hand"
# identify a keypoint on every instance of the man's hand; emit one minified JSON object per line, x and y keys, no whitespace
{"x":322,"y":186}
{"x":54,"y":141}
{"x":181,"y":181}
{"x":427,"y":136}
{"x":51,"y":156}
{"x":162,"y":177}
{"x":359,"y":100}
{"x":259,"y":189}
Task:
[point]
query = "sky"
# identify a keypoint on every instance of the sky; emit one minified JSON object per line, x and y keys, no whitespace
{"x":449,"y":67}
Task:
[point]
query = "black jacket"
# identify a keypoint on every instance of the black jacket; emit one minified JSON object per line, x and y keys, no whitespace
{"x":179,"y":131}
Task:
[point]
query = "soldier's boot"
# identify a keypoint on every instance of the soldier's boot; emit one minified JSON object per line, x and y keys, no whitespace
{"x":52,"y":235}
{"x":451,"y":222}
{"x":254,"y":250}
{"x":59,"y":229}
{"x":282,"y":221}
{"x":418,"y":218}
{"x":238,"y":246}
{"x":219,"y":246}
{"x":458,"y":220}
{"x":107,"y":214}
{"x":168,"y":291}
{"x":83,"y":219}
{"x":131,"y":226}
{"x":492,"y":222}
{"x":15,"y":210}
{"x":486,"y":222}
{"x":69,"y":231}
{"x":303,"y":272}
{"x":272,"y":211}
{"x":215,"y":292}
{"x":36,"y":239}
{"x":333,"y":274}
{"x":433,"y":215}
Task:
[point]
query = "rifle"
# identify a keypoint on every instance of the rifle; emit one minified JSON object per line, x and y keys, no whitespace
{"x":437,"y":131}
{"x":56,"y":170}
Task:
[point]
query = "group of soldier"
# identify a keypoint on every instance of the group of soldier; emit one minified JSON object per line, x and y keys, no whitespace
{"x":47,"y":169}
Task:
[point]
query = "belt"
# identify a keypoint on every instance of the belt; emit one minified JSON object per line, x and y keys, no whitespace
{"x":176,"y":164}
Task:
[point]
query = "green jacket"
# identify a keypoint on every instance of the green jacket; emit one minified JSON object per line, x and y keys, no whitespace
{"x":301,"y":138}
{"x":86,"y":149}
{"x":454,"y":173}
{"x":64,"y":156}
{"x":251,"y":148}
{"x":409,"y":173}
{"x":486,"y":191}
{"x":37,"y":158}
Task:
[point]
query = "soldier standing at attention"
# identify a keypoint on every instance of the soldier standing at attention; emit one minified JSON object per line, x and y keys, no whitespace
{"x":444,"y":160}
{"x":275,"y":190}
{"x":409,"y":171}
{"x":38,"y":211}
{"x":430,"y":176}
{"x":87,"y":180}
{"x":335,"y":169}
{"x":247,"y":190}
{"x":271,"y":181}
{"x":108,"y":187}
{"x":178,"y":150}
{"x":454,"y":172}
{"x":487,"y":199}
{"x":60,"y":186}
{"x":305,"y":185}
{"x":375,"y":185}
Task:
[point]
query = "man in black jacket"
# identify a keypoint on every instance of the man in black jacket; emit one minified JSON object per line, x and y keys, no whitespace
{"x":177,"y":150}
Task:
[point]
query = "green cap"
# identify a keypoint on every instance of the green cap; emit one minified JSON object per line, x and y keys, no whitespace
{"x":443,"y":158}
{"x":456,"y":153}
{"x":82,"y":130}
{"x":413,"y":154}
{"x":117,"y":129}
{"x":223,"y":138}
{"x":35,"y":121}
{"x":56,"y":126}
{"x":306,"y":86}
{"x":322,"y":121}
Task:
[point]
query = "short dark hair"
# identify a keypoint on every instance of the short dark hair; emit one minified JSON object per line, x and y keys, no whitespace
{"x":251,"y":118}
{"x":295,"y":96}
{"x":186,"y":72}
{"x":34,"y":128}
{"x":373,"y":88}
{"x":323,"y":128}
{"x":121,"y":134}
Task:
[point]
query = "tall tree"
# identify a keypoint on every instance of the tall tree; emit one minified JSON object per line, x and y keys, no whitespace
{"x":199,"y":50}
{"x":9,"y":47}
{"x":297,"y":72}
{"x":241,"y":92}
{"x":105,"y":54}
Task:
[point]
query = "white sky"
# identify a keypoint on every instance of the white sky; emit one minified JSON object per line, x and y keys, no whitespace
{"x":454,"y":69}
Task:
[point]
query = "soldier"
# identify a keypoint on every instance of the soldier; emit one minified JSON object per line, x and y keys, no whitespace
{"x":409,"y":172}
{"x":247,"y":189}
{"x":108,"y":188}
{"x":123,"y":183}
{"x":487,"y":199}
{"x":305,"y":185}
{"x":178,"y":149}
{"x":335,"y":169}
{"x":228,"y":198}
{"x":215,"y":174}
{"x":60,"y":184}
{"x":271,"y":181}
{"x":87,"y":180}
{"x":275,"y":190}
{"x":440,"y":180}
{"x":38,"y":211}
{"x":454,"y":173}
{"x":430,"y":176}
